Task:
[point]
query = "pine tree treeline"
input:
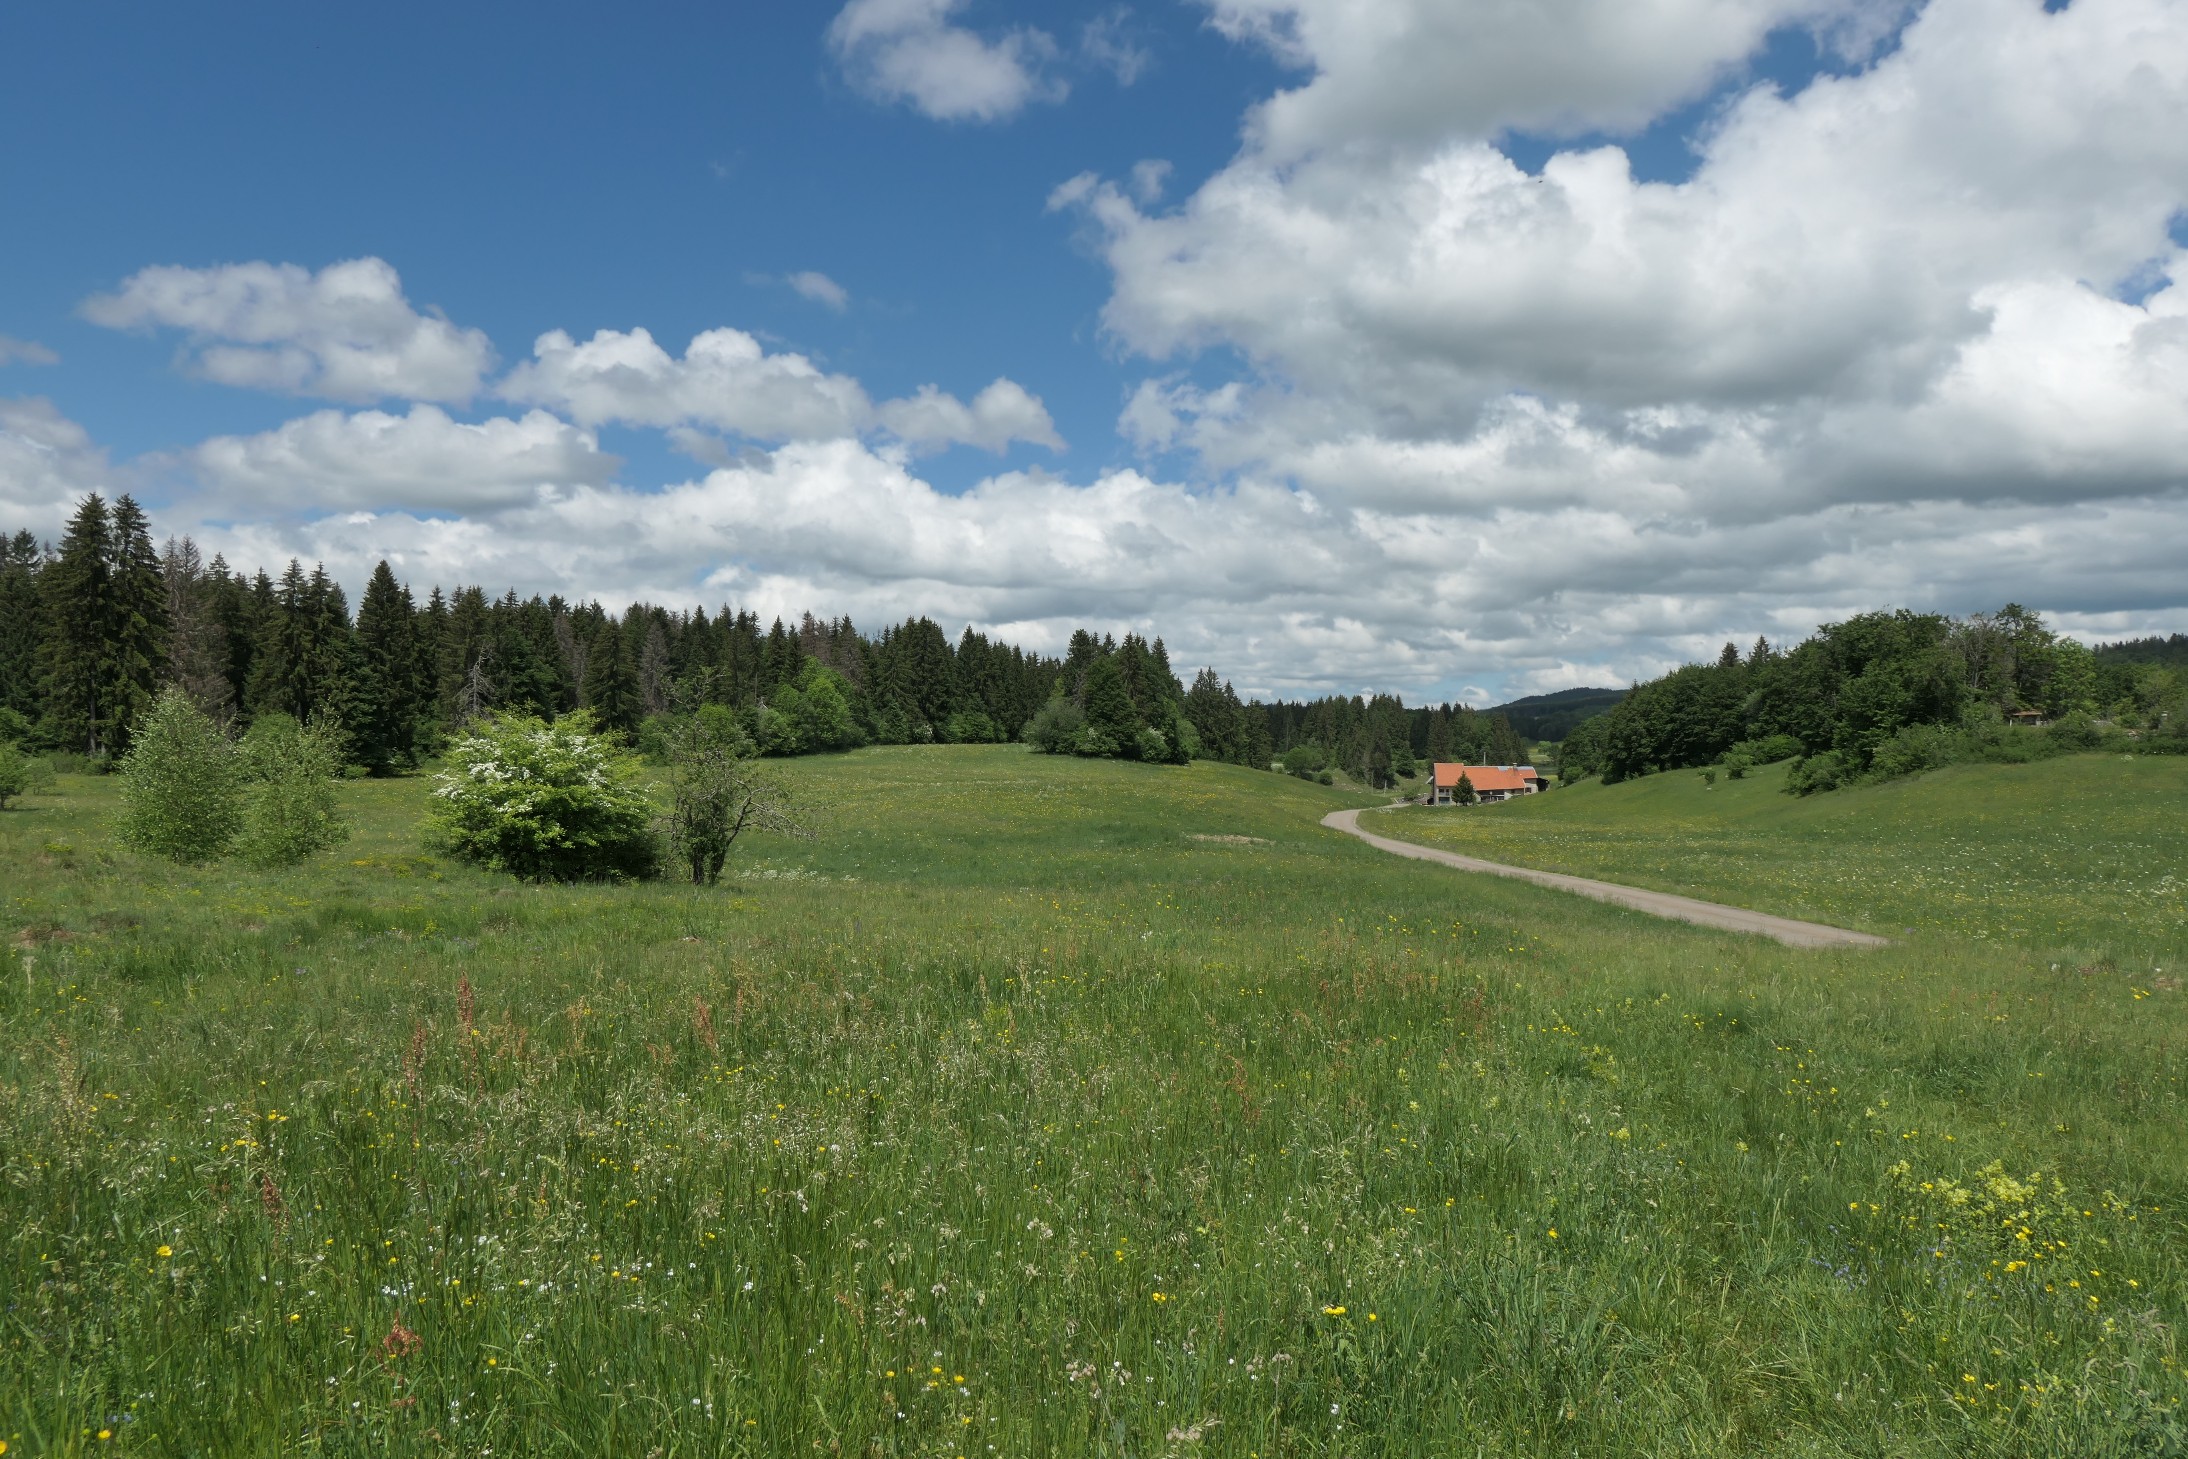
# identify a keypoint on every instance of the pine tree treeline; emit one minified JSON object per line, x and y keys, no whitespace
{"x":1886,"y":693}
{"x":90,"y":632}
{"x":92,"y":629}
{"x":1378,"y":739}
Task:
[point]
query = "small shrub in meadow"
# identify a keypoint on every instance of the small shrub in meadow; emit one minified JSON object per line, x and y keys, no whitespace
{"x":19,"y":773}
{"x":291,"y":811}
{"x":716,"y":793}
{"x":182,"y":784}
{"x":547,"y":802}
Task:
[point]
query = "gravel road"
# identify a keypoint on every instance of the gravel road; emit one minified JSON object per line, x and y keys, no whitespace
{"x":1659,"y":904}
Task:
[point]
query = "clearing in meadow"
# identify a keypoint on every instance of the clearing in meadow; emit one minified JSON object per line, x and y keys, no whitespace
{"x":1042,"y":1106}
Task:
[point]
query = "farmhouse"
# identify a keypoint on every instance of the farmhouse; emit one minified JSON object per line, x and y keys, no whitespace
{"x":1490,"y":782}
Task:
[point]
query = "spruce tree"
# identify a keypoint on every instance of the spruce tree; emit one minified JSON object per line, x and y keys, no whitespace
{"x":1109,"y":711}
{"x":655,"y":680}
{"x":77,"y":587}
{"x":197,"y":648}
{"x":386,"y":729}
{"x":22,"y":623}
{"x":611,"y":685}
{"x":138,"y":646}
{"x":281,"y":667}
{"x":464,"y":670}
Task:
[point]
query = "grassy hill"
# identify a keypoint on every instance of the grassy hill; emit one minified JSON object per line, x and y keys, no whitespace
{"x":2085,"y":858}
{"x":1064,"y":1107}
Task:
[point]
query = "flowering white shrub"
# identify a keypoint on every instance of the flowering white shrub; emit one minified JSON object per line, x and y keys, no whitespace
{"x":545,"y":801}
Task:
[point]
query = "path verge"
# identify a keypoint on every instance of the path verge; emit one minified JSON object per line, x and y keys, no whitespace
{"x":1659,"y":904}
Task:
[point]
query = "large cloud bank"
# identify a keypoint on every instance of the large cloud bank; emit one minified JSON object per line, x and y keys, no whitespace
{"x":1410,"y":416}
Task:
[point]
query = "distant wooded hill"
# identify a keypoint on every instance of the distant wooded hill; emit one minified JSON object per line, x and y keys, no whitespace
{"x":1552,"y":716}
{"x":2172,"y":652}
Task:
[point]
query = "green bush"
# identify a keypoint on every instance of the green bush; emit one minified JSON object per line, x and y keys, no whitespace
{"x":290,"y":810}
{"x":1768,"y":750}
{"x":181,"y":784}
{"x":1094,"y":742}
{"x":20,"y":773}
{"x":1827,"y":771}
{"x":2074,"y":731}
{"x":1737,"y":766}
{"x":547,"y":802}
{"x":970,"y":727}
{"x":1919,"y":747}
{"x":1055,"y":727}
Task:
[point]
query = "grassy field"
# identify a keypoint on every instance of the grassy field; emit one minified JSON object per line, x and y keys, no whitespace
{"x":2085,"y":858}
{"x":1054,"y":1107}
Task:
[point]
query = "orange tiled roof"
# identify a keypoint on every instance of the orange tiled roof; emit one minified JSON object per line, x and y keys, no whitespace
{"x":1485,"y":777}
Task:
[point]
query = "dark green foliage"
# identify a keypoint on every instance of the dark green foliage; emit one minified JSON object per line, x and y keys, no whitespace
{"x":77,"y":587}
{"x":136,"y":653}
{"x":823,"y":710}
{"x":611,"y":684}
{"x":181,"y":784}
{"x":1464,"y":793}
{"x":20,"y":773}
{"x":22,"y":623}
{"x":197,"y":646}
{"x":304,"y":663}
{"x":102,"y":643}
{"x":1056,"y":728}
{"x":1881,"y":694}
{"x":1554,"y":716}
{"x":1109,"y":711}
{"x":971,"y":727}
{"x":387,"y":709}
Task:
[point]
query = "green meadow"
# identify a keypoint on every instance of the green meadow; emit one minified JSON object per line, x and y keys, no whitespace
{"x":2083,"y":858}
{"x":1053,"y":1107}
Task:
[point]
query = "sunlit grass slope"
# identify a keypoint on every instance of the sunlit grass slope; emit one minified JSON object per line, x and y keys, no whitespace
{"x":1052,"y":1107}
{"x":2085,"y":856}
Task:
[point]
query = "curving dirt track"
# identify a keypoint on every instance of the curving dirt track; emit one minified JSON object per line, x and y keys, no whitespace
{"x":1659,"y":904}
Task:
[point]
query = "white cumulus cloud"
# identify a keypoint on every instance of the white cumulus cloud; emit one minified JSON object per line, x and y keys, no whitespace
{"x":25,"y":352}
{"x":726,"y":381}
{"x":47,"y":463}
{"x":912,"y":51}
{"x":344,"y":333}
{"x":1002,"y":413}
{"x":424,"y":460}
{"x":821,"y":289}
{"x":1429,"y":70}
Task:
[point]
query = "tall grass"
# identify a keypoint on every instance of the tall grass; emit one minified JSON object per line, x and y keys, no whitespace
{"x":1045,"y":1107}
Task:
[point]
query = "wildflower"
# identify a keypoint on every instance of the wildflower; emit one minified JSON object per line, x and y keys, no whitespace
{"x":1333,"y":1312}
{"x":165,"y":1251}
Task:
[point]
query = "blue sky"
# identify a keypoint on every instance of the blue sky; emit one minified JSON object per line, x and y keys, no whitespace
{"x":667,"y":168}
{"x":1450,"y":348}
